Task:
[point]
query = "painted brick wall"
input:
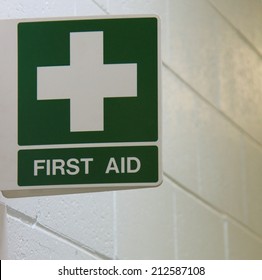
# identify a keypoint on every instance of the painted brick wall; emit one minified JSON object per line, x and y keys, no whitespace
{"x":210,"y":204}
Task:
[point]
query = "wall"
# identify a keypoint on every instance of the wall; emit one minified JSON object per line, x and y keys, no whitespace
{"x":3,"y":235}
{"x":210,"y":204}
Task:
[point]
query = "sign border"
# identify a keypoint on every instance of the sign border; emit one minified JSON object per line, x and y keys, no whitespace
{"x":85,"y":188}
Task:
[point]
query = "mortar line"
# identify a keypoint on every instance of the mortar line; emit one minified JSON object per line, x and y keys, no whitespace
{"x":238,"y":31}
{"x":78,"y":245}
{"x":175,"y":226}
{"x":206,"y":101}
{"x":226,"y":243}
{"x":244,"y":176}
{"x":100,"y":7}
{"x":115,"y":225}
{"x":211,"y":206}
{"x":33,"y":223}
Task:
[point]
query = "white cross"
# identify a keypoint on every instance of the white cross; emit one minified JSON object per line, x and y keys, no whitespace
{"x":86,"y":81}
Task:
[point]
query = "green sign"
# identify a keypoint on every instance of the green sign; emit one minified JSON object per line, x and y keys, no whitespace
{"x":88,"y":102}
{"x":125,"y":42}
{"x":88,"y":165}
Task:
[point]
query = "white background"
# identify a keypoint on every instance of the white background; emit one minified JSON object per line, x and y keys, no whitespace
{"x":214,"y":270}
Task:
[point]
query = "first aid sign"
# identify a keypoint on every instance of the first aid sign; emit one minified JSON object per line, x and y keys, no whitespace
{"x":80,"y":103}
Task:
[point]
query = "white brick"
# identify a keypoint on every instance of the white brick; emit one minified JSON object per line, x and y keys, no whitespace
{"x":3,"y":233}
{"x":86,"y":218}
{"x":88,"y":8}
{"x":51,"y":8}
{"x":242,"y":244}
{"x":26,"y":205}
{"x":253,"y":185}
{"x":144,"y":227}
{"x":220,"y":162}
{"x":194,"y":45}
{"x":214,"y":59}
{"x":139,"y":7}
{"x":241,"y":85}
{"x":31,"y":8}
{"x":199,"y":230}
{"x":245,"y":15}
{"x":20,"y":9}
{"x":179,"y":131}
{"x":31,"y":243}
